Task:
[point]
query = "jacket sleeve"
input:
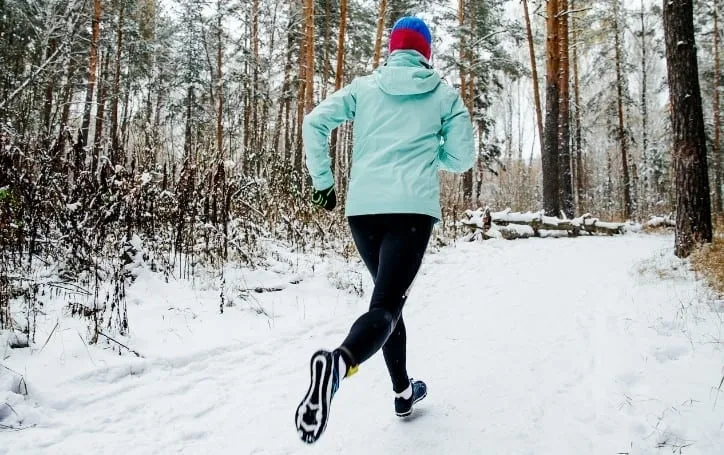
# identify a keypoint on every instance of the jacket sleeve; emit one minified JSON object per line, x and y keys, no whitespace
{"x":318,"y":124}
{"x":457,"y":151}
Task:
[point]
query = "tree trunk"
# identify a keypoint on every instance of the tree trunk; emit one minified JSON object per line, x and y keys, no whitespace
{"x":92,"y":69}
{"x":325,"y":52}
{"x":716,"y":147}
{"x":627,"y":203}
{"x":309,"y":71}
{"x":284,"y":99}
{"x":255,"y":140}
{"x":578,"y":136}
{"x":550,"y":149}
{"x":100,"y":114}
{"x":467,"y":177}
{"x":534,"y":70}
{"x":117,"y":83}
{"x":644,"y":110}
{"x":220,"y":83}
{"x":298,"y":158}
{"x":246,"y":163}
{"x":189,"y":125}
{"x":49,"y":90}
{"x":693,"y":209}
{"x":461,"y":58}
{"x":564,"y":120}
{"x":338,"y":78}
{"x":378,"y":36}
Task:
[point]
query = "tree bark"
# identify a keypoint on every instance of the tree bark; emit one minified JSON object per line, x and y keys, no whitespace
{"x":246,"y":102}
{"x":378,"y":36}
{"x":716,"y":147}
{"x":220,"y":82}
{"x":92,"y":69}
{"x":534,"y":70}
{"x":465,"y":93}
{"x":325,"y":52}
{"x":255,"y":143}
{"x":644,"y":108}
{"x":117,"y":82}
{"x":627,"y":202}
{"x":578,"y":136}
{"x":550,"y":150}
{"x":564,"y":120}
{"x":693,"y":209}
{"x":49,"y":91}
{"x":285,"y":96}
{"x":309,"y":71}
{"x":100,"y":112}
{"x":338,"y":78}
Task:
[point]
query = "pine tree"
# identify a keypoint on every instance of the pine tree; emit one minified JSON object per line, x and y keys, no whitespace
{"x":551,"y":168}
{"x":693,"y":216}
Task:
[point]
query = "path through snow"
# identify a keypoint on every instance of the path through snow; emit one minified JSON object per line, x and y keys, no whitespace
{"x":554,"y":346}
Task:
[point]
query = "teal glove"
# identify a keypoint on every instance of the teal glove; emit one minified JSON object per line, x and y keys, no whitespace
{"x":326,"y":199}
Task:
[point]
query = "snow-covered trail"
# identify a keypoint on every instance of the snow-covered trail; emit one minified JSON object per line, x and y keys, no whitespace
{"x":554,"y":346}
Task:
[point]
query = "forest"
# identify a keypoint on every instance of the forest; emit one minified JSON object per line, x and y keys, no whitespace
{"x":165,"y":272}
{"x":169,"y":132}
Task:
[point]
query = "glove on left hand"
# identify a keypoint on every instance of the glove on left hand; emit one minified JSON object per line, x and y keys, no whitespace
{"x":326,"y":199}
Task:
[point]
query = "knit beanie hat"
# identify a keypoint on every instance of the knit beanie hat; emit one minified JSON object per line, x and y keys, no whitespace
{"x":411,"y":33}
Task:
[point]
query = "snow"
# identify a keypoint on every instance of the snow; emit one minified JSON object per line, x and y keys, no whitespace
{"x":660,"y":221}
{"x":229,"y":165}
{"x":592,"y":345}
{"x":72,"y":207}
{"x":146,"y":178}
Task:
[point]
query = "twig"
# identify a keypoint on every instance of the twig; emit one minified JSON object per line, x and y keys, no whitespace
{"x":86,"y":348}
{"x":718,"y":390}
{"x":8,"y":427}
{"x":49,"y":336}
{"x":121,"y":344}
{"x":12,"y":409}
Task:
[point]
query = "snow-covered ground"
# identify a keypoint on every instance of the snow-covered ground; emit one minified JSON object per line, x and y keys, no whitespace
{"x":542,"y":346}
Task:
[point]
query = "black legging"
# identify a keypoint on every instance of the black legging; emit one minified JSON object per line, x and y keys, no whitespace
{"x":392,"y":247}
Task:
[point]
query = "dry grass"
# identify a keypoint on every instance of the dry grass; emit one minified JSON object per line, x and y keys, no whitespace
{"x":709,"y":260}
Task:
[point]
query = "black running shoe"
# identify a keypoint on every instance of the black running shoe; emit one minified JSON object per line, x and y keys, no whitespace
{"x":403,"y":407}
{"x":313,"y":412}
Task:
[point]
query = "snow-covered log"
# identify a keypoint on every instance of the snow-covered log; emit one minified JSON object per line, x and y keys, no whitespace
{"x":660,"y":222}
{"x":512,"y":225}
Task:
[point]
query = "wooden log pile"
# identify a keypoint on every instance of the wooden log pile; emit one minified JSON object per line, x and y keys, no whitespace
{"x":485,"y":224}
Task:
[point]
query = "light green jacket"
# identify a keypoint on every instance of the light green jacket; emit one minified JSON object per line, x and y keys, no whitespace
{"x":408,"y":125}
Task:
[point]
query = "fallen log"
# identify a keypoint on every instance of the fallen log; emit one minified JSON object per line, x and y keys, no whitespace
{"x":656,"y":222}
{"x":512,"y":225}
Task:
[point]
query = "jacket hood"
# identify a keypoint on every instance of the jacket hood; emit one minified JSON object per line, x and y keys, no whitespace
{"x":407,"y":72}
